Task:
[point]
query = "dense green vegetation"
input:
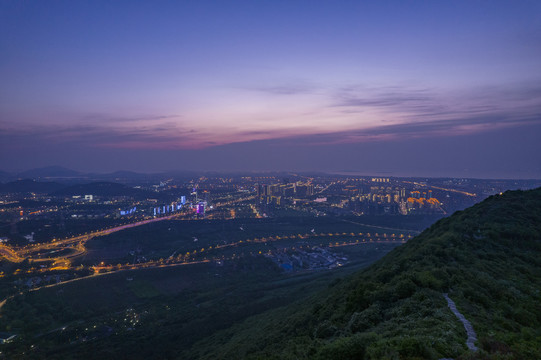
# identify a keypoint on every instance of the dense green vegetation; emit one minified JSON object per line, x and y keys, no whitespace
{"x":68,"y":320}
{"x":167,"y":238}
{"x":154,"y":313}
{"x":487,"y":258}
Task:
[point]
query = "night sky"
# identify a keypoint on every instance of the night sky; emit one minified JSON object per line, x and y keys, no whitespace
{"x":412,"y":88}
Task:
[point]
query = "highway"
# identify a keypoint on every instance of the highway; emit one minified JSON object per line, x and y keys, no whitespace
{"x":9,"y":254}
{"x":440,"y":188}
{"x":76,"y":244}
{"x":190,"y":256}
{"x":198,"y":256}
{"x":86,"y":237}
{"x":383,"y":227}
{"x":35,"y":253}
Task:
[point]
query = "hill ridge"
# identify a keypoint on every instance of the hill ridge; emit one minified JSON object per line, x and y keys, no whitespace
{"x":486,"y":257}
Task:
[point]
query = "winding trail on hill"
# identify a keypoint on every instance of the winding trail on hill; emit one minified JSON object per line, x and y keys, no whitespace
{"x":472,"y":336}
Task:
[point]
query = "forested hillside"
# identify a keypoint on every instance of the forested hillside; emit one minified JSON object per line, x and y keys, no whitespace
{"x":488,"y":258}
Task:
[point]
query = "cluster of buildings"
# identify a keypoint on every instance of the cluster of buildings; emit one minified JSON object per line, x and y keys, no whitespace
{"x":392,"y":200}
{"x":422,"y":202}
{"x":129,"y":211}
{"x":166,"y":209}
{"x":314,"y":258}
{"x":277,"y":193}
{"x":198,"y":205}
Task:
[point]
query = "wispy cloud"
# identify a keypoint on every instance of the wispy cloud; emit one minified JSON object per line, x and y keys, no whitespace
{"x":422,"y":129}
{"x":382,"y":97}
{"x":156,"y":136}
{"x":343,"y":115}
{"x":109,"y":118}
{"x":410,"y":105}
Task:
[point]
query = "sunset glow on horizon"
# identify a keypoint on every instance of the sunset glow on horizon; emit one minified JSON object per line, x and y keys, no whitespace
{"x":200,"y":85}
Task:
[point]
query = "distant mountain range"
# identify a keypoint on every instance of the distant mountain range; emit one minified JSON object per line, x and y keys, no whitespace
{"x":49,"y":172}
{"x":103,"y":189}
{"x":65,"y":175}
{"x":62,"y":174}
{"x":107,"y":189}
{"x":61,"y":181}
{"x":30,"y":186}
{"x":5,"y":176}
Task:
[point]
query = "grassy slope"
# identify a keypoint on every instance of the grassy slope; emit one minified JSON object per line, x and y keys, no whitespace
{"x":488,"y":259}
{"x":177,"y":306}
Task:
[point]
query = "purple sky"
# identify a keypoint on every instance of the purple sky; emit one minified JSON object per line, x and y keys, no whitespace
{"x":426,"y":88}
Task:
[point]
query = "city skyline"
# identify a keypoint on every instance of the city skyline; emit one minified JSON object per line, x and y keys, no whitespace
{"x":417,"y":89}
